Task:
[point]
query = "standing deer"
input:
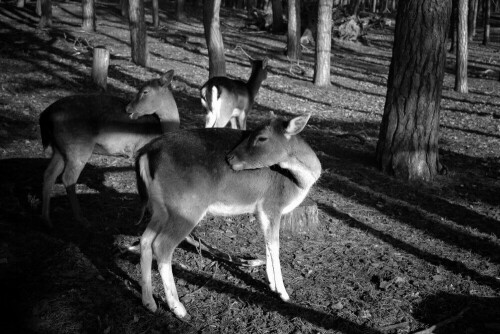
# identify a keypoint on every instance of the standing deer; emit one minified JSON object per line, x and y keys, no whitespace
{"x":75,"y":126}
{"x":231,"y":100}
{"x":186,"y":174}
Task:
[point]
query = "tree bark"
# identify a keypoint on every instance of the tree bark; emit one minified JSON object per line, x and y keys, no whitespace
{"x":324,"y":44}
{"x":100,"y":64}
{"x":293,"y":48}
{"x":20,"y":4}
{"x":278,"y":24}
{"x":408,"y":138}
{"x":471,"y":19}
{"x":462,"y":48}
{"x":124,"y":8}
{"x":156,"y":13}
{"x":374,"y":6}
{"x":38,"y":9}
{"x":486,"y":15}
{"x":213,"y":36}
{"x":88,"y":15}
{"x":138,"y":33}
{"x":46,"y":14}
{"x":180,"y":13}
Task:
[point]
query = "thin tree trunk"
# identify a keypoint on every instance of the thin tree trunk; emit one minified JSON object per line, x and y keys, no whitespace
{"x":324,"y":43}
{"x":278,"y":23}
{"x":138,"y":33}
{"x":453,"y":26}
{"x":213,"y":36}
{"x":374,"y":6}
{"x":20,"y":4}
{"x":408,"y":138}
{"x":88,"y":15}
{"x":180,"y":13}
{"x":38,"y":9}
{"x":486,"y":15}
{"x":471,"y":19}
{"x":462,"y":48}
{"x":124,"y":8}
{"x":46,"y":14}
{"x":100,"y":64}
{"x":293,"y":48}
{"x":156,"y":13}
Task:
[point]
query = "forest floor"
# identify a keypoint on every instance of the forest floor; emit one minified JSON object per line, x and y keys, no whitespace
{"x":388,"y":256}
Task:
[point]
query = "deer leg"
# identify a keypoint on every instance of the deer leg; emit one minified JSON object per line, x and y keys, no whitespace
{"x":54,"y":169}
{"x":233,"y":123}
{"x":270,"y":228}
{"x":74,"y":167}
{"x":147,"y":239}
{"x":173,"y":232}
{"x":242,"y":120}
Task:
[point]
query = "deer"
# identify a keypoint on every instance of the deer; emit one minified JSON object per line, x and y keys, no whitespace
{"x":184,"y":175}
{"x":75,"y":126}
{"x":227,"y":100}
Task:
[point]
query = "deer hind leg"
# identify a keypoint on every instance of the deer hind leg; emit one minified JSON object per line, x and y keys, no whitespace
{"x":242,"y":120}
{"x":147,"y":240}
{"x":173,"y":232}
{"x":54,"y":169}
{"x":74,"y":166}
{"x":270,"y":227}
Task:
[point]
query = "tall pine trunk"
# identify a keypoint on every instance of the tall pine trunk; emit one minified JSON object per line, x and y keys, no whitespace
{"x":213,"y":36}
{"x":408,"y":138}
{"x":88,"y":15}
{"x":486,"y":15}
{"x":138,"y":33}
{"x":323,"y":44}
{"x":293,"y":47}
{"x":461,"y":85}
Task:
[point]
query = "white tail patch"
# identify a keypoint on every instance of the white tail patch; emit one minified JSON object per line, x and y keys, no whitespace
{"x":214,"y":108}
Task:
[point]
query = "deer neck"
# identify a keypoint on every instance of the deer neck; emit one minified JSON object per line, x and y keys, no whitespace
{"x":165,"y":114}
{"x":303,"y":165}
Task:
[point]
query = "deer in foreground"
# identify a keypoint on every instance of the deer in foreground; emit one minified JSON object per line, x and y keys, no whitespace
{"x":184,"y":175}
{"x":231,"y":100}
{"x":75,"y":126}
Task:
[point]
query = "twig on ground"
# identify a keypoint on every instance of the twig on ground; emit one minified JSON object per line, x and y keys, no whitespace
{"x":454,"y":318}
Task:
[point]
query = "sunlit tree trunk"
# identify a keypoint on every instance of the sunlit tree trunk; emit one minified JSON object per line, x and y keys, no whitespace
{"x":471,"y":19}
{"x":46,"y":14}
{"x":324,"y":43}
{"x":486,"y":15}
{"x":88,"y":15}
{"x":408,"y":138}
{"x":374,"y":6}
{"x":138,"y":33}
{"x":213,"y":36}
{"x":462,"y":48}
{"x":180,"y":13}
{"x":155,"y":13}
{"x":293,"y":48}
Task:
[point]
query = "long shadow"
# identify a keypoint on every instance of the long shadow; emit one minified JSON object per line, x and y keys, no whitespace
{"x":453,"y":266}
{"x":470,"y":314}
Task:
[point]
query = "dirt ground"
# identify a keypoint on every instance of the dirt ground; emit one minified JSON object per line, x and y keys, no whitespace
{"x":388,"y":257}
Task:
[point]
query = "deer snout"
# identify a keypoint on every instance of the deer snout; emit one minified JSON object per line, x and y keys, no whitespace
{"x":234,"y":162}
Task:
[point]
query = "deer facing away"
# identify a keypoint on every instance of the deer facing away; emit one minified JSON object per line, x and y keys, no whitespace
{"x":227,"y":100}
{"x":184,"y":175}
{"x":75,"y":126}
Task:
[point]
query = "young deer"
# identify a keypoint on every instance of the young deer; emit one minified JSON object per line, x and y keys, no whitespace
{"x":231,"y":100}
{"x":76,"y":126}
{"x":186,"y":174}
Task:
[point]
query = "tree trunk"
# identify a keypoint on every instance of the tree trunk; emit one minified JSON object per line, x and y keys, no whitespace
{"x":251,"y":4}
{"x":486,"y":15}
{"x":453,"y":26}
{"x":213,"y":36}
{"x":471,"y":19}
{"x":38,"y":9}
{"x":100,"y":64}
{"x":46,"y":14}
{"x":124,"y":8}
{"x":180,"y":13}
{"x":278,"y":24}
{"x":462,"y":52}
{"x":20,"y":4}
{"x":408,"y":138}
{"x":374,"y":6}
{"x":88,"y":15}
{"x":138,"y":33}
{"x":156,"y":13}
{"x":293,"y":48}
{"x":323,"y":44}
{"x":357,"y":6}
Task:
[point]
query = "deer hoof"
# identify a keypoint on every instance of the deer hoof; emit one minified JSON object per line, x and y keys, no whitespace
{"x":151,"y":306}
{"x":180,"y":312}
{"x":284,"y":296}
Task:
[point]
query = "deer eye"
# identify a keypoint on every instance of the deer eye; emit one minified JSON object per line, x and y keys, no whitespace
{"x":261,"y":139}
{"x":145,"y":92}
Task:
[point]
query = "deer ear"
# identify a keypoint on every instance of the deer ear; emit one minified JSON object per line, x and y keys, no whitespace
{"x":296,"y":125}
{"x":166,"y":79}
{"x":264,"y":62}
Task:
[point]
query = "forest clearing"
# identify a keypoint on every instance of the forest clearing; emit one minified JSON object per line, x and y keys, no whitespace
{"x":388,"y":256}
